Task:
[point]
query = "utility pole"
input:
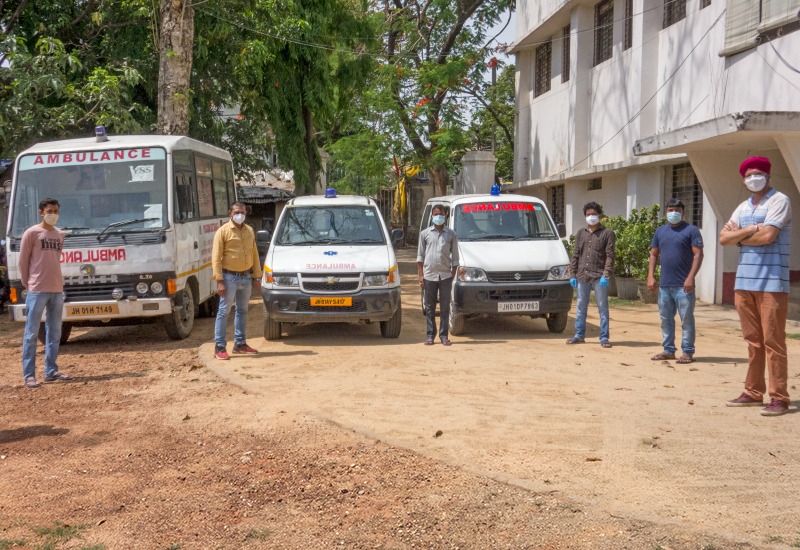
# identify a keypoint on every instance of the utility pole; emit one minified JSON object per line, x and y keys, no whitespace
{"x":493,"y":65}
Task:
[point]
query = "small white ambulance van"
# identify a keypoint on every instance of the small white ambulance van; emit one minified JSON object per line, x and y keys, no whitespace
{"x":512,"y":259}
{"x":331,"y":260}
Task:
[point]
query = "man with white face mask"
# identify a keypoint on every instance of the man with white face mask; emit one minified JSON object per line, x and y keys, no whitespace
{"x":679,"y":246}
{"x":762,"y":227}
{"x":235,"y":267}
{"x":40,"y":273}
{"x":591,"y":266}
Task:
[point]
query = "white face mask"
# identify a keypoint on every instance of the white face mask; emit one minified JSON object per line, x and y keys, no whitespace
{"x":594,"y":219}
{"x":238,"y":219}
{"x":50,"y":219}
{"x":756,"y":182}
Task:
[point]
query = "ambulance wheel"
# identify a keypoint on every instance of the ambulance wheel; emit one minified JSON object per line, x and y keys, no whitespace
{"x":557,"y":322}
{"x":272,"y":329}
{"x":66,"y":328}
{"x":179,"y":323}
{"x":209,"y":307}
{"x":391,"y":328}
{"x":457,"y":321}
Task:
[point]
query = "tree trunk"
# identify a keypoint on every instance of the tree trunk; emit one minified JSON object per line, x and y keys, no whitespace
{"x":311,"y":148}
{"x":176,"y":39}
{"x":439,"y":177}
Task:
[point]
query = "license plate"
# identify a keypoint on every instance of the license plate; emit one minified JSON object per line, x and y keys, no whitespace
{"x":86,"y":311}
{"x":331,"y":302}
{"x":506,"y":307}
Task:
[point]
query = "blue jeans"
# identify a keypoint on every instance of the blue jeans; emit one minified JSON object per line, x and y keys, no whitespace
{"x":601,"y":296}
{"x":670,"y":299}
{"x":36,"y":303}
{"x":441,"y":288}
{"x":237,"y":291}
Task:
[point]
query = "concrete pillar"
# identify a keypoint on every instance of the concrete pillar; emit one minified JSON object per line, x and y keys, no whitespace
{"x":645,"y":187}
{"x":477,"y":173}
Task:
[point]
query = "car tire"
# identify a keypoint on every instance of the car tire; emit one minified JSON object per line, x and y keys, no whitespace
{"x":66,"y":329}
{"x":272,"y":329}
{"x":557,"y":322}
{"x":391,"y":328}
{"x":179,"y":323}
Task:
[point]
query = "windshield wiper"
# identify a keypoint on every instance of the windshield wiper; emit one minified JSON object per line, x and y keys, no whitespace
{"x":124,"y":222}
{"x":492,"y":237}
{"x":367,"y":241}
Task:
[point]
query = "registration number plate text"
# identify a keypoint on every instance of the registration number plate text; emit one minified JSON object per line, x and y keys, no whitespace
{"x":331,"y":302}
{"x":517,"y":306}
{"x":85,"y":311}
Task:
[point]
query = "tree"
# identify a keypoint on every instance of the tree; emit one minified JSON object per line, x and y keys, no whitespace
{"x":496,"y":116}
{"x":175,"y":42}
{"x":432,"y":50}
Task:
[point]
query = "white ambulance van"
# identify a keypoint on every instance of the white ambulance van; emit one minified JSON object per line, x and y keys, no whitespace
{"x":331,"y":260}
{"x":512,"y":260}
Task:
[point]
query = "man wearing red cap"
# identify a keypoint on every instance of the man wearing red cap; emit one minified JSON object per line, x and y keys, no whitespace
{"x":761,"y":226}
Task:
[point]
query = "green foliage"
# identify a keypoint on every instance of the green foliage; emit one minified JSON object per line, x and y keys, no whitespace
{"x":633,"y":238}
{"x":569,"y":244}
{"x":359,"y":164}
{"x":497,"y":116}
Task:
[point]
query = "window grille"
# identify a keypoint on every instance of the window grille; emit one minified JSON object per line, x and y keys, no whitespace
{"x":686,"y":187}
{"x":595,"y":184}
{"x":674,"y":11}
{"x":603,"y":30}
{"x":565,"y":55}
{"x":628,"y":24}
{"x":556,"y":200}
{"x":704,"y":3}
{"x":543,"y":59}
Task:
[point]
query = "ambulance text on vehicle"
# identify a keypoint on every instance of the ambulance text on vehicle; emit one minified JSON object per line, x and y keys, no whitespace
{"x":139,"y":215}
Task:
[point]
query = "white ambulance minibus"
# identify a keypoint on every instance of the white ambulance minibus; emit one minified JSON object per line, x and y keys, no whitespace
{"x":139,"y":215}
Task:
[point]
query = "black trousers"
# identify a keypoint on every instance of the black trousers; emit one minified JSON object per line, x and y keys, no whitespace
{"x":443,"y":288}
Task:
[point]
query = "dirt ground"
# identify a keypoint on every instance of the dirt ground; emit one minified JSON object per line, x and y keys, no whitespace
{"x":334,"y":437}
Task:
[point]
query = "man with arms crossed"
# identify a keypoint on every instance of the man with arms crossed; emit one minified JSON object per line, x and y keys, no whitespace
{"x":762,"y":227}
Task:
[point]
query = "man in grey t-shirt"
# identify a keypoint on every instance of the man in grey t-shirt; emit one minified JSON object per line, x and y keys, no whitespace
{"x":437,"y":262}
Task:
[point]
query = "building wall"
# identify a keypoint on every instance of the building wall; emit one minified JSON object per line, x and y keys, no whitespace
{"x":669,"y":79}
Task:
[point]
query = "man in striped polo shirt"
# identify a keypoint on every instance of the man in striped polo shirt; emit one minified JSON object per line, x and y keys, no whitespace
{"x":762,"y":227}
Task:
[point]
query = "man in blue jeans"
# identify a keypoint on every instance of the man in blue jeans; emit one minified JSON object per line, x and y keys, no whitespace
{"x":680,"y":247}
{"x":235,"y":267}
{"x":40,"y":273}
{"x":591,"y":266}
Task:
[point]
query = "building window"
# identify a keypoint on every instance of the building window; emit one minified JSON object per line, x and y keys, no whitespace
{"x":686,"y":187}
{"x":565,"y":55}
{"x":555,"y":201}
{"x":674,"y":11}
{"x":543,"y":57}
{"x":603,"y":30}
{"x":628,"y":24}
{"x":704,"y":3}
{"x":595,"y":184}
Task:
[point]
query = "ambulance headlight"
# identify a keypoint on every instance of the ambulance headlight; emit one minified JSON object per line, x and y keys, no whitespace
{"x":117,"y":294}
{"x":375,"y":280}
{"x":472,"y":275}
{"x":141,"y":288}
{"x":285,"y":280}
{"x":558,"y":273}
{"x":156,"y":288}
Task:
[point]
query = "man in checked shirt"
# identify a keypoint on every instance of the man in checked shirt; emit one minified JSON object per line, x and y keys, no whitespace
{"x":591,"y":266}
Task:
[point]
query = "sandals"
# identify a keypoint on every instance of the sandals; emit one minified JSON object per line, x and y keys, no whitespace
{"x":605,"y":344}
{"x":575,"y":340}
{"x":429,"y":341}
{"x":446,"y":342}
{"x":663,"y":357}
{"x":58,"y":376}
{"x":685,"y":359}
{"x":30,"y":382}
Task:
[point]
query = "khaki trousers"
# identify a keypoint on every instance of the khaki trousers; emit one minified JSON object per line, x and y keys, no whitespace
{"x":763,"y":319}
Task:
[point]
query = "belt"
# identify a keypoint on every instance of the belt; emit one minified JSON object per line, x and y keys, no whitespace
{"x":239,"y":273}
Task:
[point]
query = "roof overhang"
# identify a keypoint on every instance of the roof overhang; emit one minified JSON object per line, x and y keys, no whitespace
{"x":754,"y":130}
{"x":552,"y":24}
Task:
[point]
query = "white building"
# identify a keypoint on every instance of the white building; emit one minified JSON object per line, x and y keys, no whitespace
{"x":631,"y":102}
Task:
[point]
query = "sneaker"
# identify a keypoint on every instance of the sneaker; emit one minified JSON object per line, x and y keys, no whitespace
{"x":220,"y":353}
{"x":744,"y":400}
{"x":776,"y":407}
{"x":243,"y":348}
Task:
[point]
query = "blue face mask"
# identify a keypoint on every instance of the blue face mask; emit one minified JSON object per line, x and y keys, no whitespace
{"x":438,"y":220}
{"x":674,"y":217}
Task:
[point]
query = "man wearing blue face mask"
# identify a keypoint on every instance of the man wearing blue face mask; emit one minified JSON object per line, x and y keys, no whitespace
{"x":762,"y":227}
{"x":437,"y":262}
{"x":591,"y":265}
{"x":680,"y":248}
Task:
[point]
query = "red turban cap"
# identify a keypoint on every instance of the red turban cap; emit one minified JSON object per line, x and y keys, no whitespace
{"x":755,"y":163}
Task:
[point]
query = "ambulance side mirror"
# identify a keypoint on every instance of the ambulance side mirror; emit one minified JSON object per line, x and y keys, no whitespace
{"x":562,"y":230}
{"x":397,"y":236}
{"x":262,"y":243}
